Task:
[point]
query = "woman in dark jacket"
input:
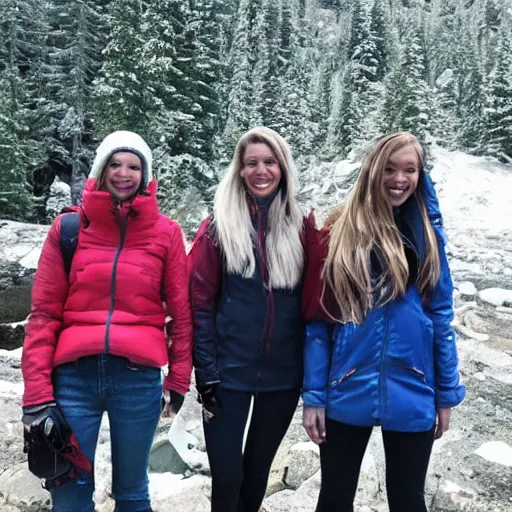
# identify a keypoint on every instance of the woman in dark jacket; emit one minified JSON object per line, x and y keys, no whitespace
{"x":384,"y":352}
{"x":246,"y":270}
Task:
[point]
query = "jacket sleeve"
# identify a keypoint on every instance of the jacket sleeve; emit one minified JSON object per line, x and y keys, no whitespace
{"x":178,"y":306}
{"x":449,"y":390}
{"x":49,"y":294}
{"x":317,"y":363}
{"x":205,"y":271}
{"x":315,"y":244}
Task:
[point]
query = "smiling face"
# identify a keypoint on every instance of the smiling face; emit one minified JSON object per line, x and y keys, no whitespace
{"x":401,"y":175}
{"x":123,"y":175}
{"x":260,"y":170}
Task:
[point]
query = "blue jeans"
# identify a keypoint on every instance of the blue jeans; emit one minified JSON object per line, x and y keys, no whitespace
{"x":131,"y":396}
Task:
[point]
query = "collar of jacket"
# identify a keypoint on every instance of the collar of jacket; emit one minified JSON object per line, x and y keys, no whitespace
{"x":100,"y":208}
{"x":259,"y":208}
{"x":410,"y":212}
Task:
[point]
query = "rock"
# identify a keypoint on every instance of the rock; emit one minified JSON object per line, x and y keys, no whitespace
{"x":12,"y":335}
{"x":19,"y":254}
{"x":496,"y":451}
{"x":165,"y":459}
{"x":59,"y":197}
{"x":467,"y":291}
{"x":172,"y":492}
{"x":304,"y":462}
{"x":20,"y":488}
{"x":302,"y":500}
{"x":495,"y":296}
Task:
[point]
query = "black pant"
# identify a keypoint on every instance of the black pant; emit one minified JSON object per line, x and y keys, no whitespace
{"x":239,"y":480}
{"x":407,"y":457}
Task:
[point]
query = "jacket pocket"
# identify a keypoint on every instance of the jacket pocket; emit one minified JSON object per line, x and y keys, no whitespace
{"x":420,"y":375}
{"x":335,"y":382}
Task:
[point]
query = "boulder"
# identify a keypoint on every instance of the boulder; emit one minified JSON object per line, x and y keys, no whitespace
{"x":19,"y":254}
{"x":303,"y":463}
{"x":12,"y":335}
{"x":468,"y":291}
{"x":496,"y":296}
{"x":21,"y":489}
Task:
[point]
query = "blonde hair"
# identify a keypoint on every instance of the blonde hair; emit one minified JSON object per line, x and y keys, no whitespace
{"x":366,"y":223}
{"x":235,"y":232}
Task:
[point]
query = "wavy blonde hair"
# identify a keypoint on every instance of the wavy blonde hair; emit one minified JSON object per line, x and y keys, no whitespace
{"x":235,"y":232}
{"x":366,"y":223}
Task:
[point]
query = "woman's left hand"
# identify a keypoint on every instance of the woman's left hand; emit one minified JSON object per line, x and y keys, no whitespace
{"x":443,"y":422}
{"x":172,"y":403}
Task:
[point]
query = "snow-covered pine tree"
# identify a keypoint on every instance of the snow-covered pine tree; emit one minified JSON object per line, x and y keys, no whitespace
{"x":120,"y":98}
{"x":406,"y":105}
{"x":498,"y":112}
{"x":23,"y":27}
{"x":471,"y":95}
{"x":240,"y":112}
{"x":76,"y":40}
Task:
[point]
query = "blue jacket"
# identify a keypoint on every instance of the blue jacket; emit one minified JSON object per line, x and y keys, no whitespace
{"x":401,"y":363}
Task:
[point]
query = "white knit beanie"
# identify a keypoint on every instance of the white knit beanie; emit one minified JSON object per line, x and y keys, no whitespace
{"x":123,"y":141}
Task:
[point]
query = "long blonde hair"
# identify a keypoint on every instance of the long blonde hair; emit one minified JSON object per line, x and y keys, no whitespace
{"x":366,"y":223}
{"x":285,"y":255}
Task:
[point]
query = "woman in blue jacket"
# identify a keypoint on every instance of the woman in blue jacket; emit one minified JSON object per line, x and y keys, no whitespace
{"x":384,"y":352}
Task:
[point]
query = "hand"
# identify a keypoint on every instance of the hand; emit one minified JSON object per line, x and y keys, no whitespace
{"x":34,"y":413}
{"x":313,"y":419}
{"x":172,"y":402}
{"x":207,"y":395}
{"x":443,"y":421}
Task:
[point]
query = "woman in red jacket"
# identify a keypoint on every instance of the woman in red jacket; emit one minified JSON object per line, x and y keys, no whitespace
{"x":95,"y":339}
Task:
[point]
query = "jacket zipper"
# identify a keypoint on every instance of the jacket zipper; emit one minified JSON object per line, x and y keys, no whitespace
{"x":267,"y":327}
{"x":382,"y":373}
{"x":122,"y":238}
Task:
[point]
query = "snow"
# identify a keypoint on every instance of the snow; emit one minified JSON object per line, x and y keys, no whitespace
{"x":475,"y":190}
{"x":15,"y":354}
{"x":497,"y":452}
{"x":496,"y":296}
{"x":31,"y":259}
{"x":11,"y":388}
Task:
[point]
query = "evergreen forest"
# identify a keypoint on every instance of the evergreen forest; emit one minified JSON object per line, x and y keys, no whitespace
{"x":191,"y":76}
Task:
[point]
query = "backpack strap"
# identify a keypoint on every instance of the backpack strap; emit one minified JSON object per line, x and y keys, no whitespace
{"x":69,"y":228}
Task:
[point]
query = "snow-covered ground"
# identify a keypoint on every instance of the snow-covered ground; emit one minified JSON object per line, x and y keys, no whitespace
{"x":470,"y":467}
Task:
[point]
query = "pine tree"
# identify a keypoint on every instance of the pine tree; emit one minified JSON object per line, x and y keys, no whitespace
{"x":406,"y":105}
{"x":120,"y":97}
{"x":499,"y":103}
{"x":77,"y":37}
{"x":240,"y":112}
{"x":23,"y":27}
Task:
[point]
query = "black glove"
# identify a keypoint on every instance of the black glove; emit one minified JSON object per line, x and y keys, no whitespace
{"x":33,"y":413}
{"x":207,"y":395}
{"x":175,"y":402}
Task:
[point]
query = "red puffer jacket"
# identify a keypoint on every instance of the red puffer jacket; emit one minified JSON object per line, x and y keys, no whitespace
{"x":126,"y":262}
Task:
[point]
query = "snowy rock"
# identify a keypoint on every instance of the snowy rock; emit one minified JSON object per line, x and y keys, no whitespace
{"x":19,"y":253}
{"x":12,"y":335}
{"x":303,"y":500}
{"x":496,"y":296}
{"x":304,"y":462}
{"x":20,"y":488}
{"x":496,"y":451}
{"x":60,"y":197}
{"x":467,"y":291}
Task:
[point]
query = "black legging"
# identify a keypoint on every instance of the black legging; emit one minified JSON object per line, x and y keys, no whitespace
{"x":239,"y":480}
{"x":407,"y":458}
